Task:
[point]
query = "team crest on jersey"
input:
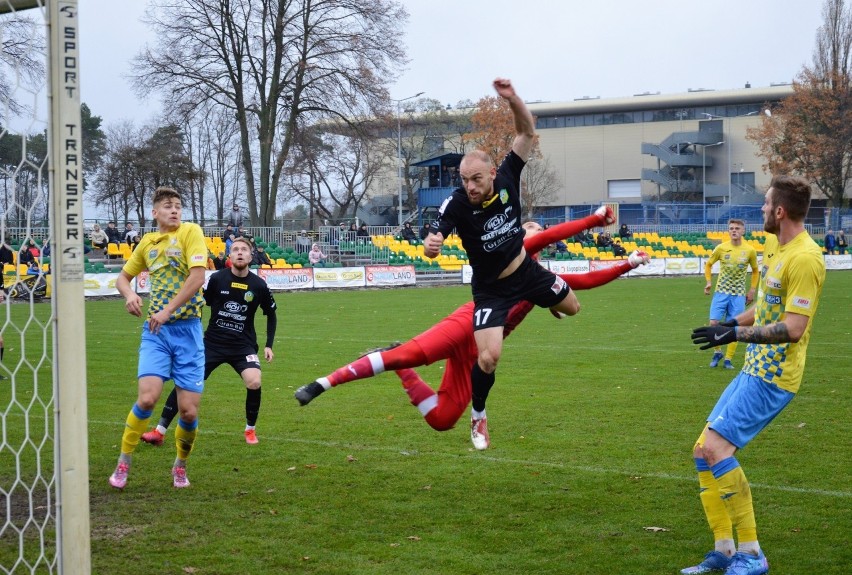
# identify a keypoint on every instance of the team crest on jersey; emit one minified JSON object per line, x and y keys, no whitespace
{"x":504,"y":196}
{"x":152,"y":255}
{"x":249,"y":297}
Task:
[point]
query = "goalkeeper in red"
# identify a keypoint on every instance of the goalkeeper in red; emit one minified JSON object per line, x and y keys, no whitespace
{"x":777,"y":329}
{"x":452,"y":340}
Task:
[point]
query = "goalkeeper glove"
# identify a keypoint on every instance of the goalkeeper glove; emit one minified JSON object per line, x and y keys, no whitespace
{"x":713,"y":335}
{"x":730,"y":322}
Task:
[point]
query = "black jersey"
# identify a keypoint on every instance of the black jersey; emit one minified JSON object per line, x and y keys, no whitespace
{"x":492,"y":236}
{"x":233,"y":302}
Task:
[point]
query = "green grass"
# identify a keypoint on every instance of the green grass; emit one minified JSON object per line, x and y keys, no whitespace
{"x":592,"y":421}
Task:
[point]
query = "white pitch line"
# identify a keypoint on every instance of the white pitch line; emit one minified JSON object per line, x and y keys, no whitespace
{"x":582,"y":468}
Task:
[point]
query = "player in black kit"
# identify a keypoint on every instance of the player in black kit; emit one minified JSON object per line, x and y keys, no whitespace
{"x":486,"y":214}
{"x":234,"y":294}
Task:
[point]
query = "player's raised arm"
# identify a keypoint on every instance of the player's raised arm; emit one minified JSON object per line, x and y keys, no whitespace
{"x":524,"y":121}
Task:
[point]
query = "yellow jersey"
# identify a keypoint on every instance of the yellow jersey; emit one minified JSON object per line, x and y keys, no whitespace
{"x":168,"y":258}
{"x":791,"y":281}
{"x":734,"y":262}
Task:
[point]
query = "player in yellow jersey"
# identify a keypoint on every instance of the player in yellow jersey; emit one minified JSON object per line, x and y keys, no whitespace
{"x":777,"y":329}
{"x":172,"y":344}
{"x":730,"y":298}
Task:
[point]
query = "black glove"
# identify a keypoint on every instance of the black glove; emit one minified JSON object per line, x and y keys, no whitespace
{"x":713,"y":335}
{"x":730,"y":323}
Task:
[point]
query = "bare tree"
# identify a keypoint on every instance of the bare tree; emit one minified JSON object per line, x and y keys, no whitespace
{"x":272,"y":64}
{"x":810,"y":132}
{"x":539,"y":184}
{"x":22,"y":59}
{"x":335,"y":172}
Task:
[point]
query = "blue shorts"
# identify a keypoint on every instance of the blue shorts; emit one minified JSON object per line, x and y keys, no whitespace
{"x":747,"y":405}
{"x":176,"y":352}
{"x":726,"y":306}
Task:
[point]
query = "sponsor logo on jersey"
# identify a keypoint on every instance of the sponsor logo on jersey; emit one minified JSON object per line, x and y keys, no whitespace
{"x":773,"y":282}
{"x":239,"y":285}
{"x":773,"y":299}
{"x":495,"y":222}
{"x":198,"y":258}
{"x":802,"y":302}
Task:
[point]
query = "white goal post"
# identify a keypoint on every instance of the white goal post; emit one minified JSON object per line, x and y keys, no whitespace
{"x":68,"y":504}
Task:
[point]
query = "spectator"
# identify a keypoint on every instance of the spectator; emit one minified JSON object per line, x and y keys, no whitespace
{"x":425,"y":230}
{"x":362,"y":233}
{"x":303,"y":242}
{"x":131,"y":236}
{"x":585,"y":238}
{"x":830,"y":242}
{"x":134,"y":241}
{"x":113,"y":234}
{"x":244,"y":233}
{"x":624,"y":232}
{"x":33,"y":249}
{"x":337,"y":234}
{"x":408,"y":233}
{"x":353,"y":232}
{"x":99,"y":238}
{"x":6,"y":256}
{"x":618,"y":249}
{"x":559,"y":247}
{"x":211,"y":265}
{"x":25,"y":256}
{"x":219,"y":261}
{"x":235,"y":218}
{"x":841,"y":242}
{"x":228,"y":236}
{"x":604,"y":240}
{"x":45,"y":249}
{"x":315,"y":257}
{"x":261,"y":258}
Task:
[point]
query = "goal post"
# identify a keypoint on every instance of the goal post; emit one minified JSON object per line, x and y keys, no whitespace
{"x":44,"y":465}
{"x":71,"y":462}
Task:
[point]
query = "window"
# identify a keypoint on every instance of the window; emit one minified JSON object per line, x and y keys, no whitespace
{"x":617,"y":189}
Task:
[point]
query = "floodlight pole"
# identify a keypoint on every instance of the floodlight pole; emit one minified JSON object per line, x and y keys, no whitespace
{"x":399,"y":151}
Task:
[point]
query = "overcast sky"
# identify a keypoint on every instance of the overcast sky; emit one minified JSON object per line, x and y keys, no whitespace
{"x":553,"y":50}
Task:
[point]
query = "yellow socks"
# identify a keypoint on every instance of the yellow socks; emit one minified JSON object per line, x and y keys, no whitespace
{"x":711,"y":500}
{"x":185,"y":437}
{"x":730,"y":350}
{"x":134,"y":427}
{"x":736,"y":496}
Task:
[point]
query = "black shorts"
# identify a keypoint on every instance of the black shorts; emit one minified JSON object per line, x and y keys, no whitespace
{"x":531,"y":282}
{"x":240,"y":359}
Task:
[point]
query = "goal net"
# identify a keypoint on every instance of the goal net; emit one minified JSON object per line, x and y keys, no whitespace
{"x":44,"y":484}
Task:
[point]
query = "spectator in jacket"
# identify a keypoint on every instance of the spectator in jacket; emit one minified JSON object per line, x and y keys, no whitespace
{"x":235,"y":218}
{"x":408,"y":233}
{"x":99,"y":238}
{"x":830,"y":242}
{"x":113,"y":234}
{"x":261,"y":258}
{"x":315,"y":257}
{"x":841,"y":242}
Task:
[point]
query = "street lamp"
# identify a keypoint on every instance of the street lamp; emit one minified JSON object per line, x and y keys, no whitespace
{"x":704,"y":177}
{"x":399,"y":151}
{"x":728,"y":135}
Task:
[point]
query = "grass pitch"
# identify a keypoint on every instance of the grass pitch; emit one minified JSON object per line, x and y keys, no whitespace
{"x":592,"y":420}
